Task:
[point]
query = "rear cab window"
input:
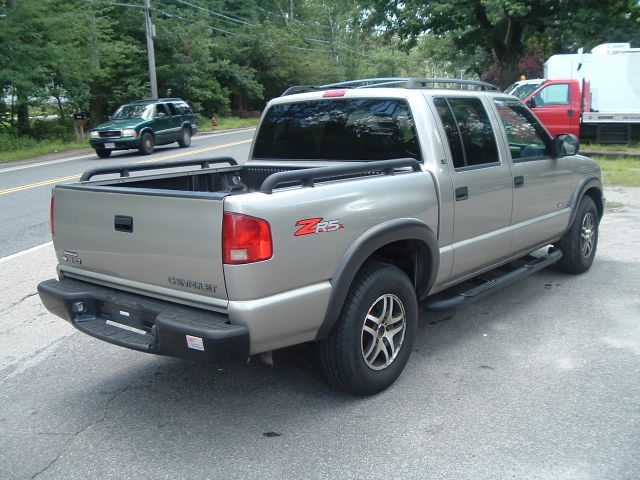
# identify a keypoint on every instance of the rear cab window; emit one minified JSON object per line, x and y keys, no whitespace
{"x":338,"y":129}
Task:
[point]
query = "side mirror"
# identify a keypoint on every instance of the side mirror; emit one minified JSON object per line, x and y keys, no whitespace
{"x":531,"y":103}
{"x":160,"y":115}
{"x":565,"y":144}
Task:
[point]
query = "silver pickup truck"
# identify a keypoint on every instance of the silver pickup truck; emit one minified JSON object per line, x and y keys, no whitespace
{"x":360,"y":204}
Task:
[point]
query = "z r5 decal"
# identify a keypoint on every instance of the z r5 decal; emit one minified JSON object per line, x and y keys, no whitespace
{"x":312,"y":226}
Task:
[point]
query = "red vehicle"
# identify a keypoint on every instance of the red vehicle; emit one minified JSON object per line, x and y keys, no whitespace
{"x":559,"y":105}
{"x":592,"y":95}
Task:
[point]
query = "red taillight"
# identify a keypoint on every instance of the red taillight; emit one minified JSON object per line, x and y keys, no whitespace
{"x":334,"y":93}
{"x":245,"y":239}
{"x":51,"y":221}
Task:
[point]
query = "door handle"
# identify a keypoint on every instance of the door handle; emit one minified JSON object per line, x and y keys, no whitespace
{"x":518,"y":181}
{"x":462,"y":193}
{"x":122,"y":223}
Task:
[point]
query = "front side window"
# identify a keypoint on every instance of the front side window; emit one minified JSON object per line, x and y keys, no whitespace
{"x":342,"y":129}
{"x":527,"y":138}
{"x":557,"y":94}
{"x":468,"y":130}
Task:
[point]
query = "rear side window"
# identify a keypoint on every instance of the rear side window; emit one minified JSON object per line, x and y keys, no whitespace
{"x":343,"y":129}
{"x":469,"y":131}
{"x":172,"y":109}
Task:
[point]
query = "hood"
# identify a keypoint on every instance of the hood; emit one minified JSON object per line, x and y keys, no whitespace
{"x":122,"y":124}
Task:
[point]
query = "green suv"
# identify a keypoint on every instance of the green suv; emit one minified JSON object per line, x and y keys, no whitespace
{"x":144,"y":124}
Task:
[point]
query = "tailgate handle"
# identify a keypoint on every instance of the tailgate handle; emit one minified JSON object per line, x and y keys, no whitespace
{"x":122,"y":223}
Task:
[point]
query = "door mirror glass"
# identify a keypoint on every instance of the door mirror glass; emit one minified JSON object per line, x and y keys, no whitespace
{"x":566,"y":144}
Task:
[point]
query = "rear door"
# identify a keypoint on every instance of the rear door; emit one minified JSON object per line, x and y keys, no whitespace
{"x":176,"y":120}
{"x":142,"y":242}
{"x":482,"y":183}
{"x":162,"y":125}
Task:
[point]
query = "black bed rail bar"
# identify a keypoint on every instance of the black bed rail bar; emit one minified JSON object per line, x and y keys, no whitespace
{"x":308,"y":176}
{"x":405,"y":82}
{"x":124,"y":170}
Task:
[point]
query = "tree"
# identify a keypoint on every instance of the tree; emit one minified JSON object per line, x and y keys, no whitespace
{"x":508,"y":30}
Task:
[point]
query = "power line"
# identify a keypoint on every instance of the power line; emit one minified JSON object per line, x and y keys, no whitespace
{"x":217,"y":14}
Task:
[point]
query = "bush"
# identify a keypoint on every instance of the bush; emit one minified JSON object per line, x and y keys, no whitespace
{"x":53,"y":130}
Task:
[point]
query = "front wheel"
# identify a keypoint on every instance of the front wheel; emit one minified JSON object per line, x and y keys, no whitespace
{"x":103,"y":152}
{"x":578,"y":244}
{"x":370,"y":344}
{"x":146,"y":144}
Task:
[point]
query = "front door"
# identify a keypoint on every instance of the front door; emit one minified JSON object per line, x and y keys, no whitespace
{"x":542,"y":183}
{"x":552,"y":105}
{"x":482,"y":182}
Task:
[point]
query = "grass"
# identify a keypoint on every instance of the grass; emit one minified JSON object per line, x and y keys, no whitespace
{"x":28,"y":148}
{"x":18,"y":148}
{"x":616,"y":148}
{"x":624,"y":171}
{"x":224,"y":123}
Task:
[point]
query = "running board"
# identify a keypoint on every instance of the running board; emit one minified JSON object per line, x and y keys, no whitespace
{"x":440,"y":304}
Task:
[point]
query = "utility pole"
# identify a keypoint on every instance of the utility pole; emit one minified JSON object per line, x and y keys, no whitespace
{"x":150,"y":53}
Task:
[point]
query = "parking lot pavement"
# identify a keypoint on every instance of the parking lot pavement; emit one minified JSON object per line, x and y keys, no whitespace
{"x":539,"y":380}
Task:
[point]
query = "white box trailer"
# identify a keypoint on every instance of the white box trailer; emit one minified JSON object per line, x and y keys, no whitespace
{"x":613,"y":70}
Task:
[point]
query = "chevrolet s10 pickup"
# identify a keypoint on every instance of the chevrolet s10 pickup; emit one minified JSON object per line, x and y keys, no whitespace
{"x":360,"y":203}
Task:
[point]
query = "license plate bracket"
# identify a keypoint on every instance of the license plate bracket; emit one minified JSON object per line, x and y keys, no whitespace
{"x":109,"y":145}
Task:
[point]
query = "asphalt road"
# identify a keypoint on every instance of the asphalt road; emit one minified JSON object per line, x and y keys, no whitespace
{"x":25,"y":187}
{"x":537,"y":381}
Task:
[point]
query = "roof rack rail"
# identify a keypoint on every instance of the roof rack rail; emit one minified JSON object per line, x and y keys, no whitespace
{"x":404,"y":82}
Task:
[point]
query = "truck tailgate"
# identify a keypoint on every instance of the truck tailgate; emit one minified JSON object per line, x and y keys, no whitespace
{"x":168,"y":246}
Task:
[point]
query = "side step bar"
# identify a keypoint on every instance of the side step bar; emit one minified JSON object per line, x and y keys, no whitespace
{"x":440,"y":304}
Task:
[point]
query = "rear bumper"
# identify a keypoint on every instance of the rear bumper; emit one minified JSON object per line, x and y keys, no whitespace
{"x":144,"y":324}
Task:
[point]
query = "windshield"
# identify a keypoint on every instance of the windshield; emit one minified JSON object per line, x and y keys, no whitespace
{"x":144,"y":111}
{"x":523,"y":90}
{"x":353,"y":129}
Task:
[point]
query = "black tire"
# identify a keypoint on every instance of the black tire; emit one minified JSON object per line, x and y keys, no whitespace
{"x":103,"y":152}
{"x":184,"y":138}
{"x":348,"y":357}
{"x":146,"y":144}
{"x":578,"y":244}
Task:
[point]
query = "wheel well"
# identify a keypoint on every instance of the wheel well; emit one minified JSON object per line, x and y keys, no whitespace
{"x":596,"y":196}
{"x":410,"y":256}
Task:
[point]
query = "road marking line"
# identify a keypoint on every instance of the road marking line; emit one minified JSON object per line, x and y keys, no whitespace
{"x":191,"y":152}
{"x":38,"y":184}
{"x":24,"y":252}
{"x":72,"y":177}
{"x":70,"y":159}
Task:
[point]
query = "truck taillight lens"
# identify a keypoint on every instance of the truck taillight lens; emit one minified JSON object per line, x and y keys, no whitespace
{"x":245,"y":239}
{"x":51,"y":220}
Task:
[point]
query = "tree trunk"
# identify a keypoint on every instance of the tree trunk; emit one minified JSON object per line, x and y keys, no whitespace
{"x":96,"y":107}
{"x":22,"y":107}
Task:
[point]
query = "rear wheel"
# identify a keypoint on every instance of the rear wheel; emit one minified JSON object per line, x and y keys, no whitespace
{"x":578,"y":245}
{"x":370,"y":344}
{"x":146,"y":144}
{"x":184,"y":139}
{"x":103,"y":152}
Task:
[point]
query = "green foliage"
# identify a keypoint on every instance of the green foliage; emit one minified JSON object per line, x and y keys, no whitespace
{"x":63,"y":56}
